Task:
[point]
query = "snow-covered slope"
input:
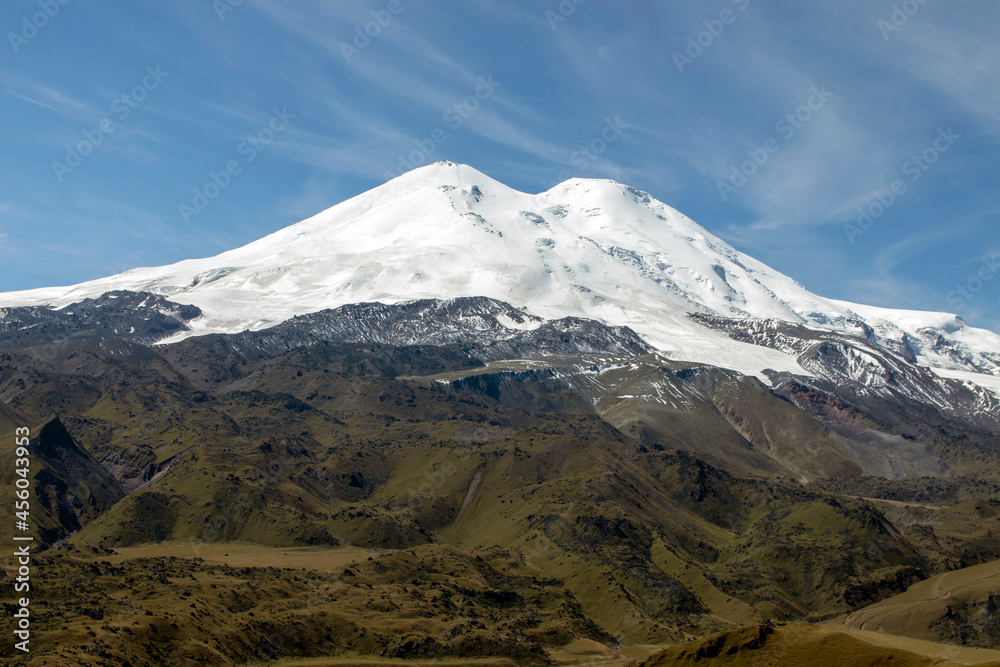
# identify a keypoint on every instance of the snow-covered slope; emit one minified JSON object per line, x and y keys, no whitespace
{"x":586,"y":248}
{"x":941,"y":340}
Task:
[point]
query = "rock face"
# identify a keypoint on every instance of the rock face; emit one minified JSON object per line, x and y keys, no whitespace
{"x":490,"y":330}
{"x":72,"y":487}
{"x":136,"y":317}
{"x":862,"y":369}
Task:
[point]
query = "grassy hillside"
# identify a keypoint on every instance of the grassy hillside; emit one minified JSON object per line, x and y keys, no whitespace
{"x":100,"y":607}
{"x":511,"y":516}
{"x":805,"y":645}
{"x":957,"y":607}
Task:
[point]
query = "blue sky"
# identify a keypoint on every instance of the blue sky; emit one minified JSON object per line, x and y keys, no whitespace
{"x":164,"y":94}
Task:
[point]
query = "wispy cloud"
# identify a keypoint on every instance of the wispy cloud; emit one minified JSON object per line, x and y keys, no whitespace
{"x":39,"y":94}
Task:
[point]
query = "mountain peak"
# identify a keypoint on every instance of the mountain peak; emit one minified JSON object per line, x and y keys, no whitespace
{"x":444,"y":172}
{"x":459,"y":175}
{"x":589,"y":248}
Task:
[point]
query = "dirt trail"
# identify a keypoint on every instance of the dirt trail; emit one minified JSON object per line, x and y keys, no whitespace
{"x":900,"y":503}
{"x":862,"y":617}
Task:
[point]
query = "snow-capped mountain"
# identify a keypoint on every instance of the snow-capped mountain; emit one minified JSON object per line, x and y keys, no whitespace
{"x":592,"y":249}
